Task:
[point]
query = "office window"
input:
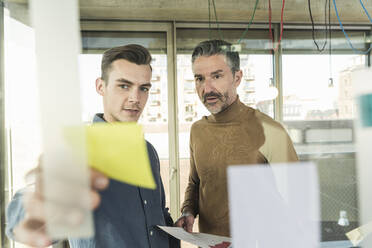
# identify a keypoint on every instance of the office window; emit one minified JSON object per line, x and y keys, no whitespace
{"x":22,"y":103}
{"x":319,"y":114}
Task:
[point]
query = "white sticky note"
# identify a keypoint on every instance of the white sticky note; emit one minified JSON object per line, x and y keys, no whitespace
{"x":362,"y":88}
{"x":64,"y":171}
{"x":274,"y":206}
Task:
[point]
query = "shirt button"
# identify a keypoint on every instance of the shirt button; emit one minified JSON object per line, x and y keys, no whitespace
{"x":145,"y":202}
{"x":151,"y":233}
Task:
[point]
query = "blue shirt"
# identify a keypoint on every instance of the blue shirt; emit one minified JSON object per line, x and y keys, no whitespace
{"x":126,"y":217}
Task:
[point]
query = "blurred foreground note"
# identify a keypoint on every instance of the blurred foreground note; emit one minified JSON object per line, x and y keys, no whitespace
{"x":357,"y":235}
{"x":362,"y":89}
{"x":65,"y":174}
{"x":274,"y":206}
{"x":119,"y":151}
{"x":203,"y":240}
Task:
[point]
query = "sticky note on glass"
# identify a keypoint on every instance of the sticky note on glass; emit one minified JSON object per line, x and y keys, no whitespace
{"x":365,"y":109}
{"x":358,"y":234}
{"x":119,"y":151}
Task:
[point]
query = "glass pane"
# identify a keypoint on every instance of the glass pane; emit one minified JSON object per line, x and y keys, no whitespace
{"x":254,"y":90}
{"x":97,"y":42}
{"x":309,"y":96}
{"x":154,"y":118}
{"x":254,"y":41}
{"x":294,"y":40}
{"x":22,"y":103}
{"x":319,"y":118}
{"x":21,"y":95}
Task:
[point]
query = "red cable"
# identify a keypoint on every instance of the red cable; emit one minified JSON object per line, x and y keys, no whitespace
{"x":281,"y":27}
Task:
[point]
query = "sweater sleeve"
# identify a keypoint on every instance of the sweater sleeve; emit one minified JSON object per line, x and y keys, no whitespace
{"x":191,"y":202}
{"x":278,"y":147}
{"x":15,"y":213}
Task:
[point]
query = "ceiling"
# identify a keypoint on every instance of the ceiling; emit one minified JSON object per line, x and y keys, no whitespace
{"x":296,"y":11}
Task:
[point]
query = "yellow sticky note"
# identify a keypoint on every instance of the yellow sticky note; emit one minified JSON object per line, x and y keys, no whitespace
{"x":119,"y":151}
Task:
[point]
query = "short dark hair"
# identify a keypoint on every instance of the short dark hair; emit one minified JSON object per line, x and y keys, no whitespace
{"x":133,"y":53}
{"x":215,"y":47}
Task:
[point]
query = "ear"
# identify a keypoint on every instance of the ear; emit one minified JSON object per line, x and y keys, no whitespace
{"x":238,"y":78}
{"x":100,"y":86}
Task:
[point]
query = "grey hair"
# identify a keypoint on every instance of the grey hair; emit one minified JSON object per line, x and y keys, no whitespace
{"x":216,"y":47}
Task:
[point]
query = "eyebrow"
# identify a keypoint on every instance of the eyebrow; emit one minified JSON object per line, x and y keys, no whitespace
{"x":212,"y":73}
{"x":216,"y":72}
{"x":123,"y":80}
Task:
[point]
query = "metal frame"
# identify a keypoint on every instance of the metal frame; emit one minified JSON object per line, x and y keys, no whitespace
{"x":277,"y":73}
{"x":4,"y":242}
{"x":169,"y":29}
{"x":222,"y":25}
{"x":174,"y":167}
{"x":368,"y":57}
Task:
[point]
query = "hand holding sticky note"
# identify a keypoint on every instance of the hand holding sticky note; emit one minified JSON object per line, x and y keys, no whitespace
{"x":119,"y":151}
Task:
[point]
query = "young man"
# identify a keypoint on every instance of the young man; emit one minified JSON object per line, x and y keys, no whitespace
{"x":125,"y":215}
{"x":232,"y":134}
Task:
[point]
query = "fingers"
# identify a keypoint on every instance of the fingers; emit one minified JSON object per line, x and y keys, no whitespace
{"x":189,"y":223}
{"x":186,"y":221}
{"x":180,"y":222}
{"x":95,"y":199}
{"x":31,"y":230}
{"x":98,"y":180}
{"x":35,"y":211}
{"x":32,"y":233}
{"x":34,"y":206}
{"x":34,"y":202}
{"x":221,"y":245}
{"x":33,"y":177}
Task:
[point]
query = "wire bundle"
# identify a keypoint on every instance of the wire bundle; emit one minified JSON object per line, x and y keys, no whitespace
{"x":281,"y":27}
{"x":217,"y":23}
{"x":328,"y":32}
{"x":346,"y":35}
{"x":327,"y":25}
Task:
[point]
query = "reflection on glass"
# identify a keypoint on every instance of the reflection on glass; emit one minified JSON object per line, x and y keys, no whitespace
{"x":319,"y":120}
{"x":306,"y":92}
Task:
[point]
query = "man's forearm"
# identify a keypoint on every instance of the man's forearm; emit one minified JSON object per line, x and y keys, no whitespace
{"x":191,"y":203}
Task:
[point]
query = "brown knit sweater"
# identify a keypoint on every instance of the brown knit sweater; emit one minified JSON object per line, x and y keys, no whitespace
{"x":237,"y":135}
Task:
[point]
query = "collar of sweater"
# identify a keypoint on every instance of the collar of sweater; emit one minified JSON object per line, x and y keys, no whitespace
{"x":98,"y":118}
{"x":228,"y":114}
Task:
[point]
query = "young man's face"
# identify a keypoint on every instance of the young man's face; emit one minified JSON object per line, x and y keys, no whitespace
{"x":126,"y":92}
{"x":215,"y":83}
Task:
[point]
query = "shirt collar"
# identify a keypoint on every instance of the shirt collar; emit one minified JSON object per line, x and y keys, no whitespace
{"x":98,"y":118}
